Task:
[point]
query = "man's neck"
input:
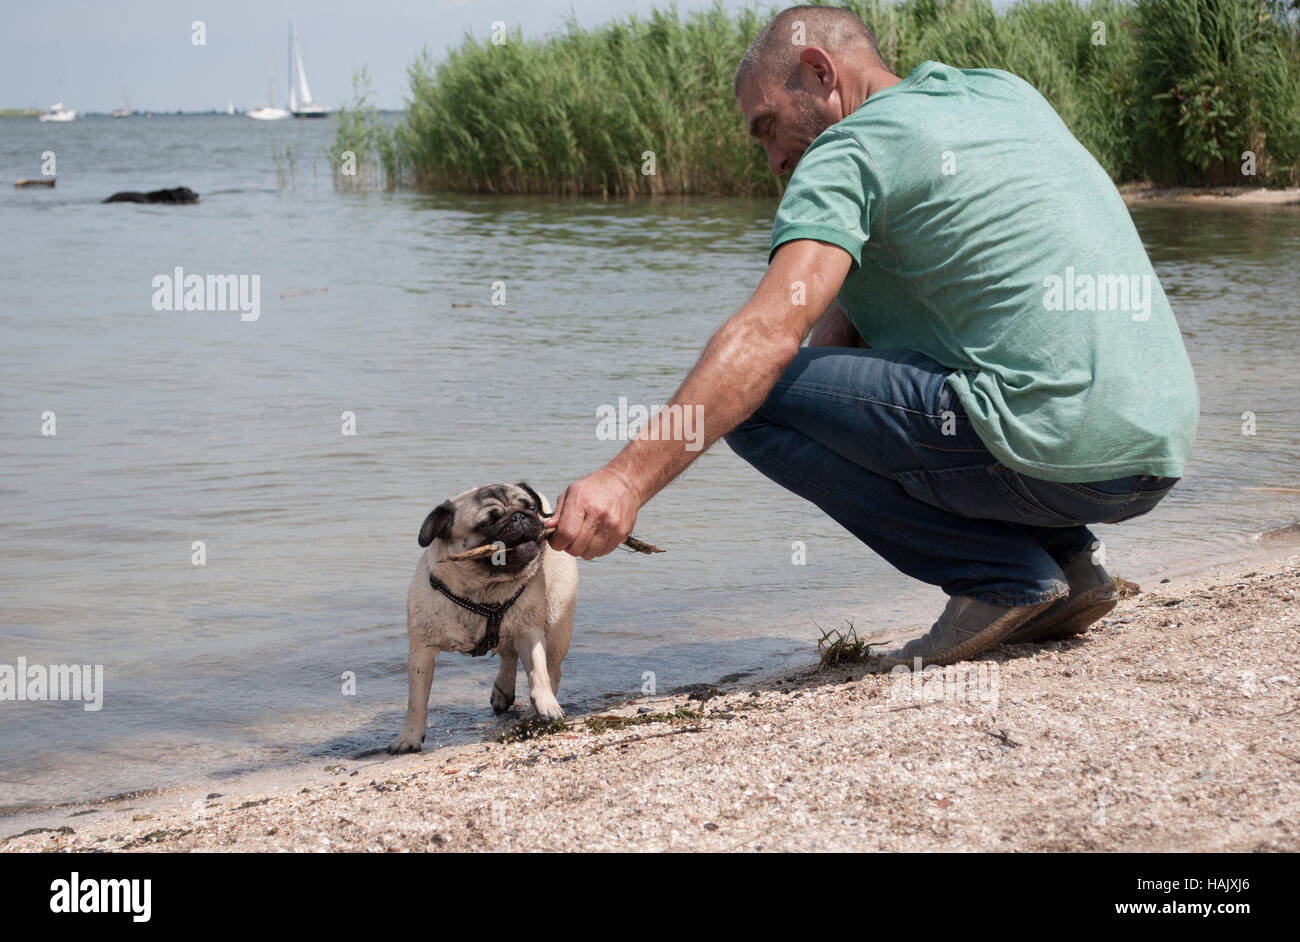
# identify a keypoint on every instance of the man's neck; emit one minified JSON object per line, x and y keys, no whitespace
{"x":873,"y":81}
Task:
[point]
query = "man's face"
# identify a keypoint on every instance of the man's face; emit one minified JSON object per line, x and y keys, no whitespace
{"x":784,"y":121}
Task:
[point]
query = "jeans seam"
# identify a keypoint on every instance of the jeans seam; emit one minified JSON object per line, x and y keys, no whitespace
{"x":1098,"y":496}
{"x":981,"y":450}
{"x":832,"y":392}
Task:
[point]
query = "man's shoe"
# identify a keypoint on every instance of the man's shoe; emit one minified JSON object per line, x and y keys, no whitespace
{"x":966,"y":628}
{"x":1092,"y":594}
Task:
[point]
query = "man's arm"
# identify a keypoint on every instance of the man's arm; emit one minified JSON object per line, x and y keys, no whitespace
{"x":738,"y":368}
{"x":834,"y":329}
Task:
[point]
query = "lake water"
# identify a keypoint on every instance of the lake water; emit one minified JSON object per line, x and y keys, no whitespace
{"x":174,"y":427}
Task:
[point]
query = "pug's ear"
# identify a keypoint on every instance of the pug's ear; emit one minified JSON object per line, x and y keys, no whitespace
{"x":437,"y":526}
{"x":543,"y":507}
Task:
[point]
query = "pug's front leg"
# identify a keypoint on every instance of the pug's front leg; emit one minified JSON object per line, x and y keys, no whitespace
{"x":532,"y":653}
{"x":503,"y":690}
{"x":419,"y":673}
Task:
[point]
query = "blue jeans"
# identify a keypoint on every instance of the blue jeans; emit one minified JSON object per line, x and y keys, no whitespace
{"x":860,"y":433}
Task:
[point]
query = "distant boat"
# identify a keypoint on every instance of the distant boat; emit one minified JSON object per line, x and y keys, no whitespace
{"x":58,"y":113}
{"x":300,"y":101}
{"x":230,"y":106}
{"x":269,"y":112}
{"x":125,"y":110}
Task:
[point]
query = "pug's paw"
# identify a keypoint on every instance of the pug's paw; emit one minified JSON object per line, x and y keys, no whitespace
{"x":409,"y":741}
{"x":501,"y":701}
{"x":546,"y":707}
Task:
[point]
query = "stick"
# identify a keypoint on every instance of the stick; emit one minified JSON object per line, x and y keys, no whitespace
{"x":478,"y":552}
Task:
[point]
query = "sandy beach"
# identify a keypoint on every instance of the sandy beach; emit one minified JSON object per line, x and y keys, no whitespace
{"x":1217,"y":196}
{"x":1171,"y":726}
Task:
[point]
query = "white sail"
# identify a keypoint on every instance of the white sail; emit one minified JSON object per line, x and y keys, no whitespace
{"x":300,"y":101}
{"x":303,"y":90}
{"x":293,"y":85}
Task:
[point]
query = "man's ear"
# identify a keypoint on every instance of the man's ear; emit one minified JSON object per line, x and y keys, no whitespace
{"x":437,"y":526}
{"x":542,"y":507}
{"x":821,"y":65}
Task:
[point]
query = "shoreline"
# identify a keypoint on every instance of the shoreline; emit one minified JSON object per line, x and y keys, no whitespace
{"x":1121,"y":740}
{"x":1143,"y":193}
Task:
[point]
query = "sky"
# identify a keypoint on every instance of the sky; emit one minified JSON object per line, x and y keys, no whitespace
{"x":85,"y":52}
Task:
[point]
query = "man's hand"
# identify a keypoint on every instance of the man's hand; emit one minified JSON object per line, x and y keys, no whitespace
{"x":737,"y":370}
{"x":594,"y":515}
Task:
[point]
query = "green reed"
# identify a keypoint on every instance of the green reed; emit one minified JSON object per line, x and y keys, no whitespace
{"x":1176,"y":93}
{"x":364,"y":152}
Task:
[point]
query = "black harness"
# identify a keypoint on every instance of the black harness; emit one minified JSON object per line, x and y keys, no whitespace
{"x":492,"y":611}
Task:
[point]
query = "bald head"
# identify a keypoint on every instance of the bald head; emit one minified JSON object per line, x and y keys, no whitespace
{"x":774,"y":55}
{"x":809,"y":68}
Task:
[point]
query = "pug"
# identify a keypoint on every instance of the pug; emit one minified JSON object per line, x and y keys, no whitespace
{"x":517,"y":602}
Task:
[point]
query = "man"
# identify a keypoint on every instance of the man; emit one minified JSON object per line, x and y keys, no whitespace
{"x":1001,"y":367}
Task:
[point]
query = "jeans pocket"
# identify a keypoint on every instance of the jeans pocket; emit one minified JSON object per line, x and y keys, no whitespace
{"x":1035,"y":511}
{"x":1145,"y":501}
{"x":1101,"y":501}
{"x":948,"y":431}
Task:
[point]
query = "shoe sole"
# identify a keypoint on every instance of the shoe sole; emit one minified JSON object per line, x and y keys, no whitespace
{"x":1073,"y":619}
{"x":977,"y":643}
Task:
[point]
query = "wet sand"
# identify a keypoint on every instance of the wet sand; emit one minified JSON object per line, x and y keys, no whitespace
{"x":1172,"y":725}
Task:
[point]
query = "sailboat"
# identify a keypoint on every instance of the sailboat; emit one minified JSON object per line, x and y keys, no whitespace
{"x":123,"y":112}
{"x":269,"y":112}
{"x":300,"y":101}
{"x":58,"y":113}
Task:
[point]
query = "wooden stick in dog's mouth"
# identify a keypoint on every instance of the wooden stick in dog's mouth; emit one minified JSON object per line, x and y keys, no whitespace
{"x":478,"y":552}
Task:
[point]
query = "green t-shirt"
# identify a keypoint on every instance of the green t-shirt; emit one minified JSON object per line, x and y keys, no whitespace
{"x":986,"y":237}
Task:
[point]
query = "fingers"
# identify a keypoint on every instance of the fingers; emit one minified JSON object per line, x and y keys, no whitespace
{"x":604,"y":536}
{"x":590,"y":519}
{"x":567,"y":521}
{"x":607,"y":544}
{"x":584,"y":539}
{"x":582,"y":546}
{"x":550,"y":519}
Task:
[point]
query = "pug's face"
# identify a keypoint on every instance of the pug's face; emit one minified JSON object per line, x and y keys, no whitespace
{"x":509,"y":514}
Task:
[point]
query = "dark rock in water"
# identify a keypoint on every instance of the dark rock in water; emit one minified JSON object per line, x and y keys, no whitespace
{"x":179,"y":194}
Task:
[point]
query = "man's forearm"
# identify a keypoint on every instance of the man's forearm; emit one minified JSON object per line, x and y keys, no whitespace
{"x":736,"y":371}
{"x":738,"y":368}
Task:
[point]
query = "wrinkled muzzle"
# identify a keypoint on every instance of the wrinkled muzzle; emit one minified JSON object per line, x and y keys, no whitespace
{"x":519,"y":532}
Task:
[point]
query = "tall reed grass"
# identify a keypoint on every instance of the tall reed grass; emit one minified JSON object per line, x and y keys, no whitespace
{"x":1175,"y":91}
{"x":364,"y":151}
